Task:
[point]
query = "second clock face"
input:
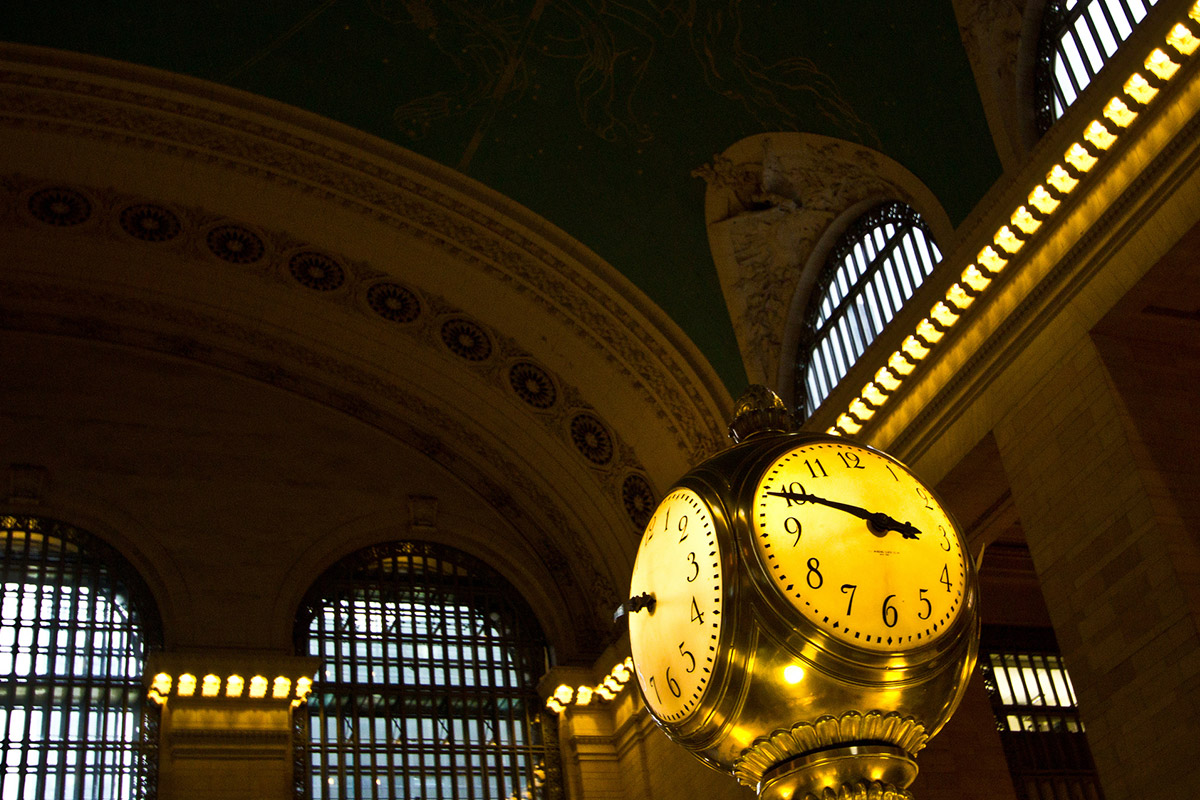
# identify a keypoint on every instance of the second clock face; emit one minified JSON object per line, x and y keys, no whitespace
{"x":859,"y":546}
{"x":674,"y":642}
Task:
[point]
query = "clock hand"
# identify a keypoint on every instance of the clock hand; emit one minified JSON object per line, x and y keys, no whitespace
{"x":643,"y":600}
{"x":876,"y":519}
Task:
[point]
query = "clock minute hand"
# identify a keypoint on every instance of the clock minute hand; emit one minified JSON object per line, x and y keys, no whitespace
{"x":877,"y":519}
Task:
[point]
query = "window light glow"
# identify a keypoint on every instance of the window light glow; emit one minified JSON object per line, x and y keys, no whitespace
{"x":848,"y":425}
{"x":927,"y":331}
{"x":1079,"y":158}
{"x":187,"y":685}
{"x":1025,"y":221}
{"x":898,"y":364}
{"x":913,"y":348}
{"x":1006,"y":240}
{"x":258,"y":686}
{"x":873,"y":395}
{"x":281,"y":687}
{"x":1060,"y":179}
{"x":234,"y":685}
{"x":975,"y":279}
{"x":991,"y":260}
{"x":1182,"y":40}
{"x":1161,"y":64}
{"x":210,"y":686}
{"x":1137,"y":88}
{"x":1042,"y":200}
{"x":861,"y":410}
{"x":1098,"y":135}
{"x":943,"y":315}
{"x":959,"y":298}
{"x":885,"y":378}
{"x":1119,"y":113}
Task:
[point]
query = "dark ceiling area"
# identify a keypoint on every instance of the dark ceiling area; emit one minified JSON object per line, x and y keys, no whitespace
{"x":591,"y":113}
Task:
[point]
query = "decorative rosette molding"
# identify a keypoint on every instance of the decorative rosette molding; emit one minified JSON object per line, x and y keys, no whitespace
{"x":852,"y":727}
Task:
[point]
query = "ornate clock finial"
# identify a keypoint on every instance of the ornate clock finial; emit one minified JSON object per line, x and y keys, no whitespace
{"x":759,"y":410}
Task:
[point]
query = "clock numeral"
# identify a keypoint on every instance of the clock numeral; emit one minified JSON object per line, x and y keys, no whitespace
{"x":794,"y":488}
{"x":945,"y":579}
{"x":889,"y":619}
{"x":813,"y":470}
{"x":889,"y":469}
{"x":695,"y":567}
{"x":928,"y":605}
{"x":650,"y":680}
{"x":945,"y":543}
{"x":688,"y":655}
{"x":683,"y":527}
{"x":924,"y":495}
{"x":852,"y":587}
{"x":814,"y":568}
{"x":697,"y":614}
{"x":851,"y":460}
{"x":792,"y":525}
{"x":673,"y":684}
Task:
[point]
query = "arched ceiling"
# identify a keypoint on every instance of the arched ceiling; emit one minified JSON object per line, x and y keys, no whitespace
{"x":592,"y":114}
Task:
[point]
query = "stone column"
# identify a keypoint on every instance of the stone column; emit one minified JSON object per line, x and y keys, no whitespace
{"x":1118,"y":566}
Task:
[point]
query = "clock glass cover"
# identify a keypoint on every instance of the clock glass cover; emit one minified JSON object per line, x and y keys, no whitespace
{"x":674,"y":640}
{"x":859,"y":546}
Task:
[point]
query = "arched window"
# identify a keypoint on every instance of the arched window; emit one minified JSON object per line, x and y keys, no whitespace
{"x":76,"y":622}
{"x":427,"y":688}
{"x":873,"y":270}
{"x":1077,"y":38}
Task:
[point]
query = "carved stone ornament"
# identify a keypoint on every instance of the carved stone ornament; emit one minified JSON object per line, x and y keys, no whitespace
{"x":805,"y":737}
{"x":770,"y":199}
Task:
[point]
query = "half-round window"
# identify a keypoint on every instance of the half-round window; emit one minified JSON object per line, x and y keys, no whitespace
{"x":873,"y":270}
{"x":1077,"y":38}
{"x":76,"y":622}
{"x":428,"y":682}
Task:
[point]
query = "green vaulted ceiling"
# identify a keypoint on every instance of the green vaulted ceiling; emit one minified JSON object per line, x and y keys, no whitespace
{"x":592,"y":113}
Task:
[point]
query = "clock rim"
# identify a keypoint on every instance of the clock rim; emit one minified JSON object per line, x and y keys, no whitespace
{"x":726,"y":662}
{"x":810,"y":638}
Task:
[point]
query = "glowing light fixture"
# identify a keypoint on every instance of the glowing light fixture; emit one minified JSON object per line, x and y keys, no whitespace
{"x":872,"y":394}
{"x":975,"y":279}
{"x":258,"y":686}
{"x":1161,"y":64}
{"x":861,"y":410}
{"x":793,"y":673}
{"x":281,"y":687}
{"x":187,"y":685}
{"x":1098,"y":135}
{"x":162,"y":683}
{"x":885,"y":378}
{"x":1137,"y":88}
{"x":583,"y":695}
{"x":958,"y":297}
{"x":1119,"y":113}
{"x":1182,"y":39}
{"x":1042,"y":200}
{"x":899,"y":365}
{"x":210,"y":686}
{"x":928,"y":332}
{"x":1007,"y":241}
{"x":1025,"y":221}
{"x":847,"y":425}
{"x":991,"y":260}
{"x":1079,"y":158}
{"x":943,"y":315}
{"x":1060,"y":179}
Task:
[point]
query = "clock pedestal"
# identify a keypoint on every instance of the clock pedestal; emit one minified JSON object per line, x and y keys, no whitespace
{"x":858,"y":772}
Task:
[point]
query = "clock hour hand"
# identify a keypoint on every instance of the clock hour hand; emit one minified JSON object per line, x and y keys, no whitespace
{"x":876,"y":519}
{"x":643,"y":600}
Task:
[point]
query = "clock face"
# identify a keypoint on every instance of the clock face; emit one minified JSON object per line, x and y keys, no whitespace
{"x":674,"y":642}
{"x":893,"y":582}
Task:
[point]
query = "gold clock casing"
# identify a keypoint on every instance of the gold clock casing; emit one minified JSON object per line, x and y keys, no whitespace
{"x":782,"y":686}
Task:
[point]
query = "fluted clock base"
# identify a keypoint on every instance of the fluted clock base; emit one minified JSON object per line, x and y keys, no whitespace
{"x":857,"y":772}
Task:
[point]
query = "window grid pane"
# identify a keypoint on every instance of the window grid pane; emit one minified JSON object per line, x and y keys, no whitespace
{"x":887,"y":253}
{"x":427,"y":690}
{"x":1077,"y":39}
{"x":75,"y":627}
{"x":1036,"y":712}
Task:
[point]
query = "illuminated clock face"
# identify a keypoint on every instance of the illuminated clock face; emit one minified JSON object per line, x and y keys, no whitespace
{"x":859,"y":546}
{"x":674,"y":641}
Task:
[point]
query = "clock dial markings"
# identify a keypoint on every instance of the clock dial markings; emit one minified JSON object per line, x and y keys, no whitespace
{"x":899,"y":574}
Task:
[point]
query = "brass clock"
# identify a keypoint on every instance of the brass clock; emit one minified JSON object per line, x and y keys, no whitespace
{"x":679,"y":566}
{"x":859,"y":546}
{"x":803,"y":611}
